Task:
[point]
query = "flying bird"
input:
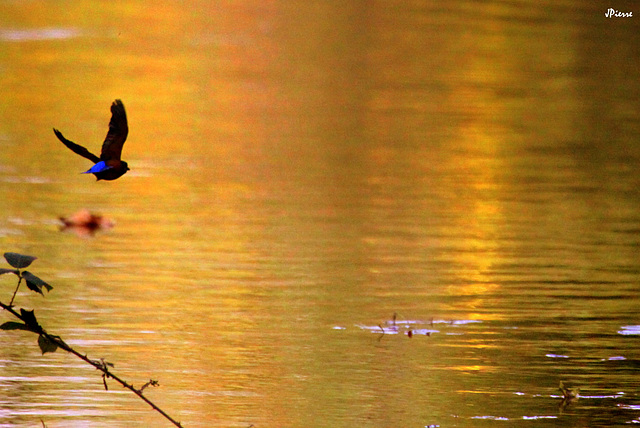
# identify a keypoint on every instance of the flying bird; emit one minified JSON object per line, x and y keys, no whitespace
{"x":108,"y":166}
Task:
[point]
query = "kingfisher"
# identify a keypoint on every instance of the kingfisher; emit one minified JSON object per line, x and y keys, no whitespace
{"x":108,"y":166}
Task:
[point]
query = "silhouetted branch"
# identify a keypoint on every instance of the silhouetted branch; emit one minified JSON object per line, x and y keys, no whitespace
{"x":49,"y":342}
{"x":101,"y":365}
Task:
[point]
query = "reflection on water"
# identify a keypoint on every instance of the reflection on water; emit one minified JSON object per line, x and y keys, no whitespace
{"x":21,"y":35}
{"x":299,"y":173}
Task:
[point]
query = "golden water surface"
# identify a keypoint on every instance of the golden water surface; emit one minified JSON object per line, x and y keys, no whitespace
{"x":301,"y":172}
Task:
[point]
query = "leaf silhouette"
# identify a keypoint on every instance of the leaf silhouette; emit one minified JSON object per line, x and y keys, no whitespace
{"x":4,"y":270}
{"x":46,"y":345}
{"x":34,"y":283}
{"x":19,"y":261}
{"x":29,"y":319}
{"x":10,"y":325}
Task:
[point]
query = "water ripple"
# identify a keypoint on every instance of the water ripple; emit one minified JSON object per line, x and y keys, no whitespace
{"x":20,"y":35}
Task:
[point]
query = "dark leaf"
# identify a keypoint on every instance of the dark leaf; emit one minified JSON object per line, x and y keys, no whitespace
{"x":3,"y":271}
{"x":10,"y":325}
{"x":46,"y":345}
{"x":34,"y":287}
{"x":29,"y":319}
{"x":19,"y":261}
{"x":34,"y":283}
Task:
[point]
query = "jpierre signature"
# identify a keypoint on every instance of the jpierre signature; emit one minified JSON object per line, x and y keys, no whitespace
{"x":611,"y":13}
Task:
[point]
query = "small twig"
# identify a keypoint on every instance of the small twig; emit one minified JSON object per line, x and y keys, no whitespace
{"x":150,"y":383}
{"x":17,"y":287}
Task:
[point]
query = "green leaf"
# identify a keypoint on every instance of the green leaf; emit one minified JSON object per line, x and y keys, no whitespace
{"x":11,"y":325}
{"x":29,"y":319}
{"x":34,"y":283}
{"x":19,"y":261}
{"x":4,"y":270}
{"x":46,"y":345}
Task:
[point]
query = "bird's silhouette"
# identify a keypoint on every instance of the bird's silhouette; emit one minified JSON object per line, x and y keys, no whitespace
{"x":108,"y":166}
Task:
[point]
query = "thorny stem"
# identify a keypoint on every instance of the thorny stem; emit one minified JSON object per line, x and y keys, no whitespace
{"x":98,"y":364}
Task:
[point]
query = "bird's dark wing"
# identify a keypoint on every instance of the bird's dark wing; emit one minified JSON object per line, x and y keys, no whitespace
{"x":118,"y":130}
{"x":76,"y":148}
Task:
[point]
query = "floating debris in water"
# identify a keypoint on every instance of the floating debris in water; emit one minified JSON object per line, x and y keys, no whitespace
{"x":556,"y":356}
{"x":414,"y":327}
{"x":397,"y":329}
{"x":619,"y":394}
{"x":422,"y":331}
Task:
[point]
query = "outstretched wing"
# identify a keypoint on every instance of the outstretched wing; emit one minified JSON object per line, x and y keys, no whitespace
{"x":118,"y":130}
{"x":76,"y":148}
